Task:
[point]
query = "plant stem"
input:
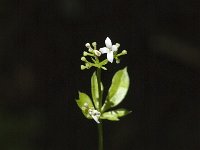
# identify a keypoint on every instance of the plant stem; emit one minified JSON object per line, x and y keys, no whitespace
{"x":99,"y":87}
{"x":100,"y":125}
{"x":100,"y":132}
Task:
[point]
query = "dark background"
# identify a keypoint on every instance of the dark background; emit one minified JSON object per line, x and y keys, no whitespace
{"x":41,"y":43}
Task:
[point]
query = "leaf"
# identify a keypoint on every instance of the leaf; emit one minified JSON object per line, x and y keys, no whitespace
{"x":117,"y":90}
{"x":95,"y":90}
{"x":114,"y":115}
{"x":104,"y":62}
{"x":104,"y":68}
{"x":84,"y":102}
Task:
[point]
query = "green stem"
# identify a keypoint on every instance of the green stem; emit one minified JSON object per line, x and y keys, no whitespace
{"x":99,"y":87}
{"x":100,"y":125}
{"x":100,"y":131}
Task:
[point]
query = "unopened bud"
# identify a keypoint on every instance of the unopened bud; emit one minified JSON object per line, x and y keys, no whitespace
{"x":83,"y":67}
{"x":124,"y":52}
{"x":90,"y":50}
{"x":118,"y":45}
{"x":97,"y":53}
{"x":94,"y":44}
{"x":87,"y":45}
{"x":83,"y":59}
{"x":85,"y":53}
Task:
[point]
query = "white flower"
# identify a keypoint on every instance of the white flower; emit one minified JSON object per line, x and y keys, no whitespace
{"x":95,"y":114}
{"x":109,"y":49}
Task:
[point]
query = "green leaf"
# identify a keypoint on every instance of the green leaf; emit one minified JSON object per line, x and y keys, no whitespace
{"x":83,"y":101}
{"x":114,"y":115}
{"x":104,"y":62}
{"x":117,"y":90}
{"x":95,"y":90}
{"x":104,"y":68}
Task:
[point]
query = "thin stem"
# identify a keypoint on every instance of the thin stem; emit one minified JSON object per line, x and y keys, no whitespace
{"x":99,"y":87}
{"x":100,"y":125}
{"x":100,"y":131}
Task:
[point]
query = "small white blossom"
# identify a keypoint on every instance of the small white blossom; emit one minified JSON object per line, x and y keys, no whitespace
{"x":109,"y":49}
{"x":95,"y":114}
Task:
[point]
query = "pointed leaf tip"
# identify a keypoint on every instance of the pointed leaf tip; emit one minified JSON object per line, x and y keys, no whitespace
{"x":83,"y":103}
{"x":114,"y":115}
{"x":118,"y":89}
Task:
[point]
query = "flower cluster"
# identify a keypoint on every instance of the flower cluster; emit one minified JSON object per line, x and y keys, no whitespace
{"x":92,"y":112}
{"x":94,"y":53}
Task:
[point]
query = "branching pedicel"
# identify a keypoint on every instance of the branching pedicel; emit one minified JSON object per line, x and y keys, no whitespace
{"x":95,"y":108}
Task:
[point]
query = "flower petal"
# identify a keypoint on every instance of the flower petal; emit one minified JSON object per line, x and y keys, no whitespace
{"x":110,"y":56}
{"x":108,"y":43}
{"x":104,"y":50}
{"x":95,"y":118}
{"x":114,"y":48}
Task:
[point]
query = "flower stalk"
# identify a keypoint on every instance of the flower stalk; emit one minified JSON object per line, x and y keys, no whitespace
{"x":100,"y":126}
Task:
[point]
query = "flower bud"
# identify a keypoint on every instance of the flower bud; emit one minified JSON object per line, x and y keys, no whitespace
{"x":118,"y":45}
{"x":87,"y":45}
{"x":83,"y":59}
{"x":94,"y":44}
{"x":124,"y":52}
{"x":97,"y":53}
{"x":83,"y":67}
{"x":90,"y":50}
{"x":85,"y":53}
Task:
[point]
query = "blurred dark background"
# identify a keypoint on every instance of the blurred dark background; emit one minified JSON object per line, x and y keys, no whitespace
{"x":41,"y":43}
